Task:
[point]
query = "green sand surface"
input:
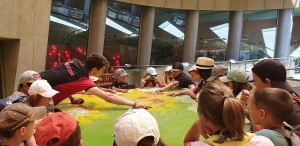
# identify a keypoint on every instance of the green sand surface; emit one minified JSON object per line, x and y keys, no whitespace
{"x":174,"y":119}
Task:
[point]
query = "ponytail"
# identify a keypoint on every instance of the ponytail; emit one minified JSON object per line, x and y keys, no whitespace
{"x":233,"y":116}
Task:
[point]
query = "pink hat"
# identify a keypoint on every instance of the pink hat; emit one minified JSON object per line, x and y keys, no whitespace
{"x":43,"y":88}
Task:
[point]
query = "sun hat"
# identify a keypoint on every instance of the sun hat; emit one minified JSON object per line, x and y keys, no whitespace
{"x":93,"y":78}
{"x":204,"y":63}
{"x":29,"y":77}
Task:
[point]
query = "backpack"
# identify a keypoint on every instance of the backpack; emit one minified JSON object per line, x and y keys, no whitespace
{"x":290,"y":133}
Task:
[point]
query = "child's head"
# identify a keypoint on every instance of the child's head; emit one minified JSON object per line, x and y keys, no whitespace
{"x":151,"y":71}
{"x":194,"y":74}
{"x":17,"y":120}
{"x":217,"y":72}
{"x":96,"y":64}
{"x":204,"y":66}
{"x":237,"y":80}
{"x":96,"y":80}
{"x":58,"y":129}
{"x":168,"y":71}
{"x":26,"y":79}
{"x":40,"y":93}
{"x":218,"y":108}
{"x":270,"y":73}
{"x":137,"y":127}
{"x":177,"y":69}
{"x":120,"y":75}
{"x":270,"y":104}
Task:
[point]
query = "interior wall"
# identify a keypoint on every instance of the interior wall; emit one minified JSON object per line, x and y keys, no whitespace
{"x":24,"y":26}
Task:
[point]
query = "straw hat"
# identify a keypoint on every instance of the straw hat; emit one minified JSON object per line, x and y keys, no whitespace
{"x":204,"y":63}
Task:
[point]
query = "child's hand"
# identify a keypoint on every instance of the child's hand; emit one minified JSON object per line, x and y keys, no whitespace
{"x":124,"y":91}
{"x":245,"y":95}
{"x":174,"y":94}
{"x":160,"y":90}
{"x":112,"y":91}
{"x":147,"y":77}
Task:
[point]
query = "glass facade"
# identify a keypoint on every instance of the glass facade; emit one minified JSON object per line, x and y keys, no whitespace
{"x":168,"y":36}
{"x":68,"y":33}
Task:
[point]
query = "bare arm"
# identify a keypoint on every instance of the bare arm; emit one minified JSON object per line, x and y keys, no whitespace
{"x":113,"y":98}
{"x":173,"y":83}
{"x":143,"y":81}
{"x":163,"y":82}
{"x":158,"y":83}
{"x":119,"y":90}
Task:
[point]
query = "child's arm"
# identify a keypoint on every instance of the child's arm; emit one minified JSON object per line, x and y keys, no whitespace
{"x":173,"y":83}
{"x":158,"y":83}
{"x":119,"y":90}
{"x":180,"y":93}
{"x":143,"y":81}
{"x":163,"y":81}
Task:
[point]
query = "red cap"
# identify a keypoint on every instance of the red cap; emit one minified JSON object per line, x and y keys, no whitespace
{"x":57,"y":125}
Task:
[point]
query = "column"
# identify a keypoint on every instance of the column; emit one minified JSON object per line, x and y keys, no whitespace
{"x":67,"y":2}
{"x":190,"y":37}
{"x":133,"y":10}
{"x":97,"y":27}
{"x":87,"y":5}
{"x":234,"y":35}
{"x":145,"y":35}
{"x":283,"y":33}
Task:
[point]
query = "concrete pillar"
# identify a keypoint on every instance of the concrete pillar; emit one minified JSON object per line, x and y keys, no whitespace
{"x":87,"y":5}
{"x":67,"y":3}
{"x":283,"y":32}
{"x":190,"y":36}
{"x":234,"y":35}
{"x":97,"y":27}
{"x":145,"y":35}
{"x":133,"y":10}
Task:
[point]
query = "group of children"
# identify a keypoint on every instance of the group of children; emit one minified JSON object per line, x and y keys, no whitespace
{"x":224,"y":101}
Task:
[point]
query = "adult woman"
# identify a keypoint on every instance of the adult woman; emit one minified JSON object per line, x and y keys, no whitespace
{"x":150,"y":79}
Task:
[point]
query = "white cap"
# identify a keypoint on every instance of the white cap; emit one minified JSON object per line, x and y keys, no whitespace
{"x":29,"y":77}
{"x":151,"y":71}
{"x":133,"y":126}
{"x":168,"y":68}
{"x":93,"y":78}
{"x":43,"y":88}
{"x":193,"y":68}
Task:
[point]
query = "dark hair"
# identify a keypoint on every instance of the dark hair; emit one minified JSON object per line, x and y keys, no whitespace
{"x":277,"y":102}
{"x":217,"y":103}
{"x":97,"y":61}
{"x":204,"y":73}
{"x":21,"y":86}
{"x":33,"y":100}
{"x":10,"y":133}
{"x":146,"y":141}
{"x":238,"y":87}
{"x":73,"y":140}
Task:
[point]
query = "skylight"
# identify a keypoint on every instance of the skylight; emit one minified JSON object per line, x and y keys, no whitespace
{"x":221,"y":31}
{"x":269,"y":36}
{"x":170,"y":28}
{"x":118,"y":27}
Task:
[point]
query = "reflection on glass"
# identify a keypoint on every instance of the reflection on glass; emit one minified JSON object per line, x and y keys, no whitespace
{"x":168,"y":27}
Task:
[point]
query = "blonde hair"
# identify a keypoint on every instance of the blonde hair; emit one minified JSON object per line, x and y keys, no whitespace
{"x":217,"y":102}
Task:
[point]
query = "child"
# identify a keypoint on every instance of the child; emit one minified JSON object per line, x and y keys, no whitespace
{"x":237,"y":80}
{"x":270,"y":107}
{"x":168,"y":76}
{"x":40,"y":93}
{"x":58,"y":129}
{"x":17,"y":122}
{"x":180,"y":78}
{"x":120,"y":75}
{"x":217,"y":72}
{"x":150,"y":79}
{"x":137,"y":127}
{"x":196,"y":79}
{"x":224,"y":116}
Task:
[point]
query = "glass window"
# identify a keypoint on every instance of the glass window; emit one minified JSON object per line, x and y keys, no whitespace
{"x":121,"y":34}
{"x":212,"y":35}
{"x":68,"y":31}
{"x":259,"y":33}
{"x":168,"y":36}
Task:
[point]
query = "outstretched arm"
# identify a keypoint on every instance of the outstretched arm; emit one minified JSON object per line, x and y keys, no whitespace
{"x":116,"y":99}
{"x":173,"y":83}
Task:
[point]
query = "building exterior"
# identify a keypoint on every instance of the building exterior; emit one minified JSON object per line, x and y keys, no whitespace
{"x":41,"y":34}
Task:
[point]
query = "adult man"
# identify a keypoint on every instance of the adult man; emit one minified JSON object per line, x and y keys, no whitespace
{"x":72,"y":77}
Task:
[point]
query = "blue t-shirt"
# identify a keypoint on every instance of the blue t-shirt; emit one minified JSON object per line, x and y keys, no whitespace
{"x":275,"y":137}
{"x":184,"y":80}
